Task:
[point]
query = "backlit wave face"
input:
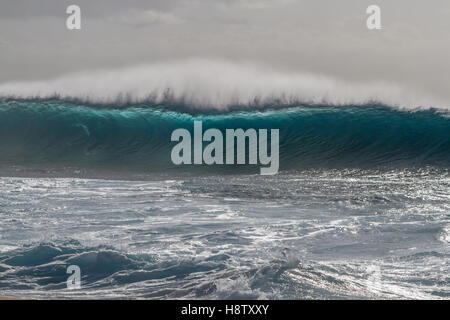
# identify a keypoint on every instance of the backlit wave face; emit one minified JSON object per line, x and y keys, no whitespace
{"x":137,"y":138}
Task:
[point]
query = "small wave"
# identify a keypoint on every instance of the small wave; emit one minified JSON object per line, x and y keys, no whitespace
{"x":39,"y":270}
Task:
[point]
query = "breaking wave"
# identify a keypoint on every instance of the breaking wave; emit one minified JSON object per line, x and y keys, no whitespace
{"x":57,"y":132}
{"x":203,"y":84}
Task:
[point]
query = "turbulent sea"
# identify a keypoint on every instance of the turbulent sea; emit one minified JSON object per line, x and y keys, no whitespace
{"x":359,"y":209}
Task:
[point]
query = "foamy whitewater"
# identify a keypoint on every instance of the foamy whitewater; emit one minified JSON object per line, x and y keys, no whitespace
{"x":216,"y":85}
{"x":359,"y":208}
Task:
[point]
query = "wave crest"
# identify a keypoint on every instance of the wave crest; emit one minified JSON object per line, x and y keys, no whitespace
{"x":214,"y":84}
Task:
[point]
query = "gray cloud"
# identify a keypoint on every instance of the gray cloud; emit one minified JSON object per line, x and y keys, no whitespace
{"x":322,"y":37}
{"x":18,"y":9}
{"x":145,"y":17}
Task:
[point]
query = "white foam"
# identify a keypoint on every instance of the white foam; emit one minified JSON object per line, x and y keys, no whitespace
{"x":445,"y":235}
{"x":215,"y":84}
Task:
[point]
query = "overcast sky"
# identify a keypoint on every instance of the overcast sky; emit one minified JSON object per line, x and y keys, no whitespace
{"x":315,"y":36}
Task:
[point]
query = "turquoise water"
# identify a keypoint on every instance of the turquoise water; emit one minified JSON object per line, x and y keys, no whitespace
{"x":138,"y":136}
{"x":360,"y":188}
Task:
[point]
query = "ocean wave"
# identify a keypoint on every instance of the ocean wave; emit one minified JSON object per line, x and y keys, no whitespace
{"x":39,"y":270}
{"x":138,"y":137}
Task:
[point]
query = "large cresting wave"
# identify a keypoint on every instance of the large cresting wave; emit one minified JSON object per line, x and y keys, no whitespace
{"x":58,"y":133}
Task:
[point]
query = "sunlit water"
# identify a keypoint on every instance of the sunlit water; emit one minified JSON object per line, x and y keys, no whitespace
{"x":315,"y":234}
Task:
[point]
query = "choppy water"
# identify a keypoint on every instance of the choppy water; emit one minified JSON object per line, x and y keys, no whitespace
{"x":310,"y":234}
{"x":359,"y":209}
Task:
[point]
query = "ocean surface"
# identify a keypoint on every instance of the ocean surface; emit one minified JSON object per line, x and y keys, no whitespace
{"x":359,"y":209}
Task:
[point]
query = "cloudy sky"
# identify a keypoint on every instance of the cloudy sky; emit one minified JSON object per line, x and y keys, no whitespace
{"x":325,"y":37}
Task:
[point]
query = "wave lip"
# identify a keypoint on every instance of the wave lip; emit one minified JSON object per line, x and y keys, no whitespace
{"x":205,"y":84}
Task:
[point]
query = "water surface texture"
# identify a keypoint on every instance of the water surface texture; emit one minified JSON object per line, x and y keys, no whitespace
{"x":359,"y":209}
